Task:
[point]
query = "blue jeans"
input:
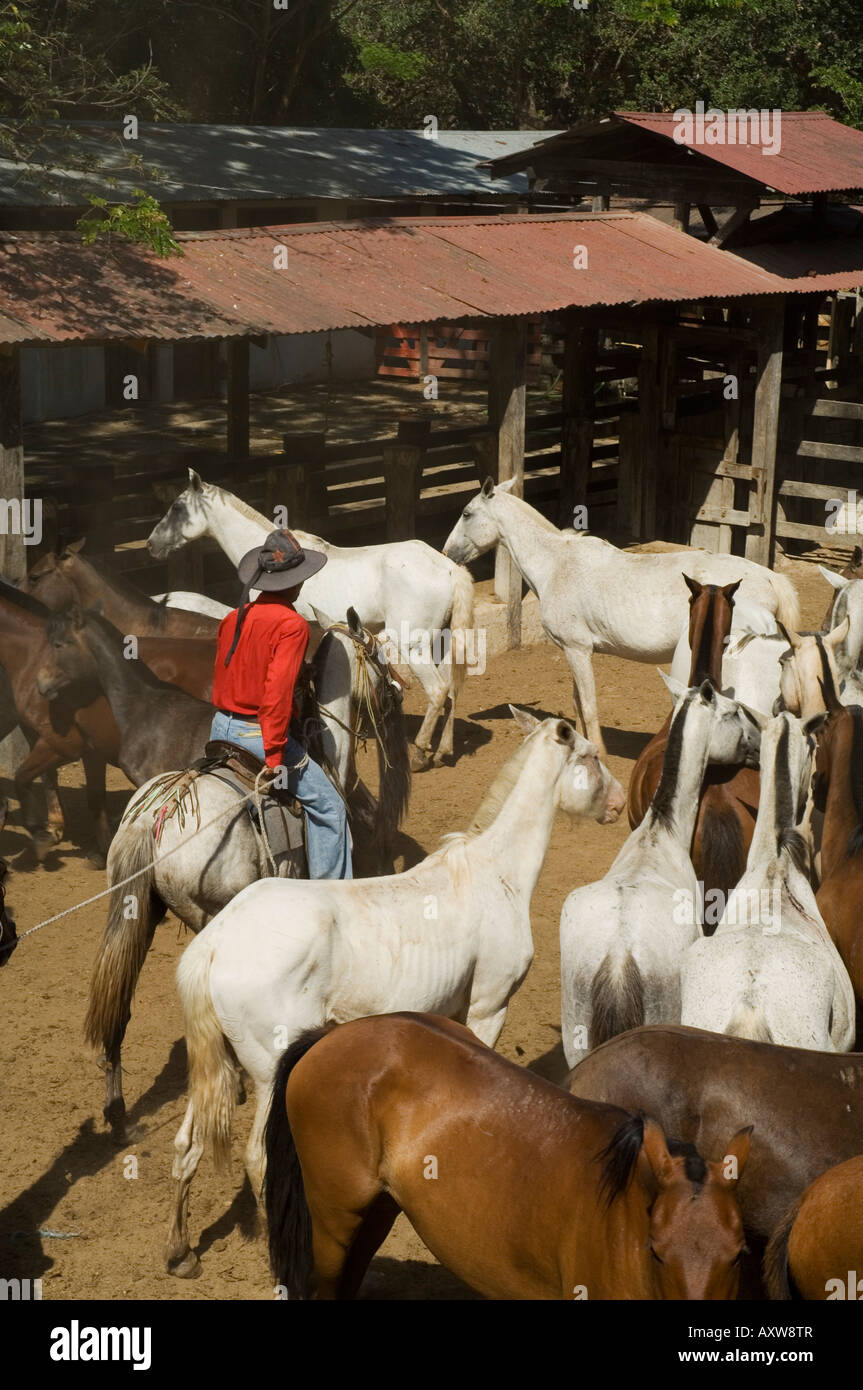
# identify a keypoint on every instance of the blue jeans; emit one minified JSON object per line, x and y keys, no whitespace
{"x":328,"y":845}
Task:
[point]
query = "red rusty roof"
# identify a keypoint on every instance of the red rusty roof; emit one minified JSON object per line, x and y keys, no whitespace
{"x":352,"y":275}
{"x":816,"y":154}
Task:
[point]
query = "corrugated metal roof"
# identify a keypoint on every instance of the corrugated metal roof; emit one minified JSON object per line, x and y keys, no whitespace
{"x":354,"y":274}
{"x":816,"y":154}
{"x":203,"y":163}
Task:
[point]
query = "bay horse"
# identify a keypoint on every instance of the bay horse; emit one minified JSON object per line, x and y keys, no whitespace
{"x":409,"y":1112}
{"x":61,"y":731}
{"x":838,"y":794}
{"x":403,"y":588}
{"x":816,"y":1251}
{"x":771,"y":970}
{"x":728,"y":798}
{"x":622,"y":938}
{"x":807,"y":1106}
{"x":59,"y":581}
{"x":184,"y":662}
{"x":596,"y":598}
{"x":451,"y":935}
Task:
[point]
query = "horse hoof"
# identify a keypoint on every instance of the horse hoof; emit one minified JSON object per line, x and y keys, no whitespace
{"x":186,"y":1266}
{"x":421,"y":759}
{"x":43,"y":843}
{"x":96,"y":858}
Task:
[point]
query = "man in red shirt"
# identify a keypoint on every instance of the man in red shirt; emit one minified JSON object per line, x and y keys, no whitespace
{"x":260,"y":650}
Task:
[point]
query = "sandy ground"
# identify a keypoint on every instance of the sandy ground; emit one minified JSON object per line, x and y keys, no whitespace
{"x":70,"y":1210}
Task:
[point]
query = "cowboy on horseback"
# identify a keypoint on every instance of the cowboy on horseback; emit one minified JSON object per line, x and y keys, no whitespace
{"x":260,"y":652}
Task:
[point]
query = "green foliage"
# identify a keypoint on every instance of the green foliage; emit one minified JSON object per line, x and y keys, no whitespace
{"x":142,"y":222}
{"x":388,"y":62}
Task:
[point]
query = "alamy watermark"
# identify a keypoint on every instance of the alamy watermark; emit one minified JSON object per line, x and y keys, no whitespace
{"x":737,"y":126}
{"x":466,"y":646}
{"x":19,"y":518}
{"x":744,"y":907}
{"x":844,"y":518}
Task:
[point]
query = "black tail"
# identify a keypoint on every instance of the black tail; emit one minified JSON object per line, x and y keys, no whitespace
{"x":619,"y":1157}
{"x":616,"y":1000}
{"x":289,"y":1223}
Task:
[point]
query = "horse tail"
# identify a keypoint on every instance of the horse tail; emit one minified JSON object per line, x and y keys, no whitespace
{"x":787,"y":602}
{"x":394,"y":771}
{"x":289,"y":1222}
{"x":777,"y":1276}
{"x":135,"y":910}
{"x":616,"y":999}
{"x":748,"y":1022}
{"x":460,"y":621}
{"x":213,"y":1073}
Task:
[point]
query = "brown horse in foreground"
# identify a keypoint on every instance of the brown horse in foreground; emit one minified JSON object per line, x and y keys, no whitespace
{"x":806,"y":1106}
{"x":817,"y":1250}
{"x":729,"y":795}
{"x":517,"y":1188}
{"x":838,"y":793}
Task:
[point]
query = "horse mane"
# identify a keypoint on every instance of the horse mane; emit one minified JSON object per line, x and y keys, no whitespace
{"x":542,"y":520}
{"x":245,"y":509}
{"x":694,"y":1165}
{"x":855,"y":777}
{"x":498,"y":792}
{"x":22,"y":599}
{"x":620,"y":1156}
{"x":663,"y":797}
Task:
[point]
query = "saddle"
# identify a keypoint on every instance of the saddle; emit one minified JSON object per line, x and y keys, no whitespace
{"x":282,"y":813}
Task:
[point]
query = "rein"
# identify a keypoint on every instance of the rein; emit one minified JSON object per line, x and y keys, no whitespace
{"x":366,"y":694}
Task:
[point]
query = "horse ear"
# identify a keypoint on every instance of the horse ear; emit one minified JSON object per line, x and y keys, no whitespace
{"x":526,"y":721}
{"x":675,"y":687}
{"x":707,"y":691}
{"x":507,"y":486}
{"x":354,"y":623}
{"x":655,"y":1150}
{"x":734,"y":1159}
{"x":44,"y":566}
{"x":792,"y":638}
{"x":693,"y":586}
{"x":838,"y":635}
{"x":755,"y":715}
{"x":857,"y":557}
{"x":488,"y":487}
{"x":833,"y":578}
{"x":730,"y":590}
{"x":195,"y":481}
{"x":75,"y":547}
{"x":815,"y":723}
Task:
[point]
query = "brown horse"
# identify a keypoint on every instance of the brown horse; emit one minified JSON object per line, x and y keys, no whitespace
{"x":807,"y":1106}
{"x":61,"y":731}
{"x":816,"y":1252}
{"x":853,"y":570}
{"x":517,"y":1188}
{"x":58,"y":581}
{"x":838,"y":793}
{"x":729,"y":795}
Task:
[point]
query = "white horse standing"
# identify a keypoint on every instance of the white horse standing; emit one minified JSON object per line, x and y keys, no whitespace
{"x":771,"y":972}
{"x":405,"y":587}
{"x":451,"y":936}
{"x":622,"y":938}
{"x":596,"y":598}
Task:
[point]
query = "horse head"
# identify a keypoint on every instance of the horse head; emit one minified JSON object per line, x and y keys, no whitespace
{"x":185,"y":520}
{"x":477,"y":529}
{"x":67,"y":661}
{"x":584,"y":785}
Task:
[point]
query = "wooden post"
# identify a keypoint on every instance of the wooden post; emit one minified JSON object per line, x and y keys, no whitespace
{"x":403,"y":466}
{"x":506,"y":413}
{"x":649,"y":415}
{"x":13,"y":561}
{"x":238,"y":404}
{"x":300,"y":483}
{"x":769,"y":321}
{"x":579,"y":384}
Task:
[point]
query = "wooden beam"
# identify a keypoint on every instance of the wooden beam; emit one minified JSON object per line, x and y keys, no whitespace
{"x":705,"y":212}
{"x":731,"y":224}
{"x":581,"y":341}
{"x":770,"y":318}
{"x":403,"y":466}
{"x":13,"y":562}
{"x":238,"y":401}
{"x":650,"y":421}
{"x":506,"y":412}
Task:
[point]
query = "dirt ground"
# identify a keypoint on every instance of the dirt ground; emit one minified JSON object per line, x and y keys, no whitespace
{"x":70,"y":1213}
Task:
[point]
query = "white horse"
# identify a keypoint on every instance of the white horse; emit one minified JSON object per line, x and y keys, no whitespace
{"x":596,"y":598}
{"x":847,"y":603}
{"x":193,"y":603}
{"x":771,"y":971}
{"x":422,"y":600}
{"x":208,"y":849}
{"x":622,"y":938}
{"x":452,"y":936}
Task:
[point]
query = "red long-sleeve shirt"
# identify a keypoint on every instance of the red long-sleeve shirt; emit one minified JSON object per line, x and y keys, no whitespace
{"x":259,"y":682}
